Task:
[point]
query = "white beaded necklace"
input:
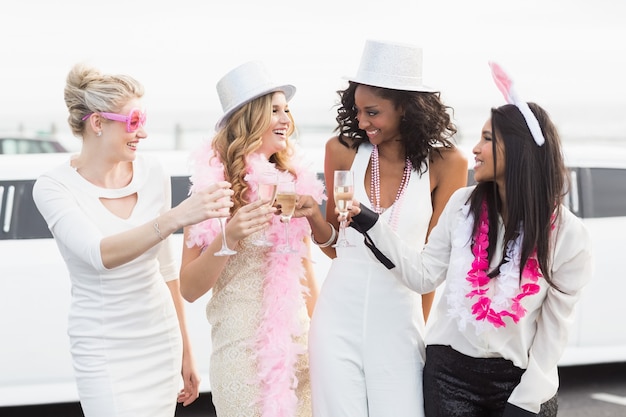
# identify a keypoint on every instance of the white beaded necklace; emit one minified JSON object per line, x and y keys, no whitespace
{"x":375,"y":187}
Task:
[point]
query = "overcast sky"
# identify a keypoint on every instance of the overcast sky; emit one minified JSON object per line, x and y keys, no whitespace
{"x":567,"y":55}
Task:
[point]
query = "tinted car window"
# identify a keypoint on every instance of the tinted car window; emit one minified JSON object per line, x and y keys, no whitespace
{"x":180,"y":191}
{"x":20,"y":219}
{"x":607,"y":193}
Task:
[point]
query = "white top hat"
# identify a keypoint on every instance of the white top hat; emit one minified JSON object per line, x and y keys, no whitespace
{"x":245,"y":83}
{"x":391,"y":65}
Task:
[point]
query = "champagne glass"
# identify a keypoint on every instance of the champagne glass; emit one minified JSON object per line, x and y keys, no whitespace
{"x":267,"y":186}
{"x":286,"y":198}
{"x":225,"y":250}
{"x":343,"y":192}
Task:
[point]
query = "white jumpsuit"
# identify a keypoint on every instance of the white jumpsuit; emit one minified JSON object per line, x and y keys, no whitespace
{"x":366,"y":343}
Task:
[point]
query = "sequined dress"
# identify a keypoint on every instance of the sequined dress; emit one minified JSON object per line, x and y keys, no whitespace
{"x":234,"y":312}
{"x":258,"y":313}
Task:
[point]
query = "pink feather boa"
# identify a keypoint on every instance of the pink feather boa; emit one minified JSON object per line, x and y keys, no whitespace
{"x":274,"y":344}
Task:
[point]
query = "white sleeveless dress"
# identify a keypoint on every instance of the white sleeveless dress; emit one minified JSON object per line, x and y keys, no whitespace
{"x":366,"y":347}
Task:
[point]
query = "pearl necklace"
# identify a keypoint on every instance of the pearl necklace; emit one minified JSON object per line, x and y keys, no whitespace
{"x":375,"y":187}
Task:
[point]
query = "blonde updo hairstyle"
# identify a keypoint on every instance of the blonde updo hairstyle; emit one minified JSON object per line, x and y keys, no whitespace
{"x":240,"y":137}
{"x":88,"y":91}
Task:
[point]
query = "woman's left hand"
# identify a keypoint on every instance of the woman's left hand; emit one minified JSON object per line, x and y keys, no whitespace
{"x":191,"y":381}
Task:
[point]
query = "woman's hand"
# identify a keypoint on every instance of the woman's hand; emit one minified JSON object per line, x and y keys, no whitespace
{"x":353,"y":210}
{"x":191,"y":382}
{"x":249,"y":219}
{"x":306,"y":206}
{"x":205,"y":204}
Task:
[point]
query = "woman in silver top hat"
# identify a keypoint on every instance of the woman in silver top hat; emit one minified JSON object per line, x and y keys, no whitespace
{"x":395,"y":134}
{"x":262,"y":294}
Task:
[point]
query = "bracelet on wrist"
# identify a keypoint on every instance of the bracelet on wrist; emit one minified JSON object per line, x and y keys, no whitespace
{"x":333,"y":236}
{"x":157,"y":230}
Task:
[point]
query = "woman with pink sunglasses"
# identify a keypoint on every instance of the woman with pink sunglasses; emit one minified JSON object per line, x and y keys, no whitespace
{"x":110,"y":213}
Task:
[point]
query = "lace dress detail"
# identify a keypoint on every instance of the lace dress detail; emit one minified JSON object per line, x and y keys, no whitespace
{"x":234,"y":313}
{"x":258,"y":313}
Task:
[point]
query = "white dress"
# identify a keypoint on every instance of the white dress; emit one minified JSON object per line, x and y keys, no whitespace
{"x":125,"y":339}
{"x":366,"y":347}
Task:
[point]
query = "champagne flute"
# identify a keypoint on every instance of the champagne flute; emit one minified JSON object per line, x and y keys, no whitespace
{"x":286,"y":198}
{"x":343,"y":192}
{"x":267,"y":186}
{"x":225,"y":250}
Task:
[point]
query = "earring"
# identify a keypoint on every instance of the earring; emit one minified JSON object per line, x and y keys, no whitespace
{"x":99,"y":133}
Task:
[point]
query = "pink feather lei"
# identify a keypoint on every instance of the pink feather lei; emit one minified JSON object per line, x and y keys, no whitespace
{"x":481,"y":283}
{"x":275,"y":346}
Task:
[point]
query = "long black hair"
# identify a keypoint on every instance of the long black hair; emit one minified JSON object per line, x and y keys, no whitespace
{"x":535,"y":181}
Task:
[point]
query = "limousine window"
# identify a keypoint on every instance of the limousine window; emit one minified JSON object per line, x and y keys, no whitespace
{"x":605,"y":194}
{"x":597,"y":192}
{"x":19,"y":216}
{"x":180,"y":191}
{"x":20,"y":219}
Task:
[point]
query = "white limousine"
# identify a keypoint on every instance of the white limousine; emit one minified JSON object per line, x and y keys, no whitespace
{"x":35,"y":365}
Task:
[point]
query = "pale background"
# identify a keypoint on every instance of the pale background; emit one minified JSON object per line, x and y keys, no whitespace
{"x":567,"y":55}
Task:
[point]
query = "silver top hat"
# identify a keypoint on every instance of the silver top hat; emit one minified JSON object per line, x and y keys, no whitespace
{"x":391,"y":65}
{"x":245,"y":83}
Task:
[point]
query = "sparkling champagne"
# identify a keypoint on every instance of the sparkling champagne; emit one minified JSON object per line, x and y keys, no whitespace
{"x":287,"y":203}
{"x":267,"y":192}
{"x":343,"y":193}
{"x":343,"y":197}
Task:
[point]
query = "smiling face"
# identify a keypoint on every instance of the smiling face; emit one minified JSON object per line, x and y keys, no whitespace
{"x":121,"y":144}
{"x":275,"y":137}
{"x":378,"y":117}
{"x":486,"y":168}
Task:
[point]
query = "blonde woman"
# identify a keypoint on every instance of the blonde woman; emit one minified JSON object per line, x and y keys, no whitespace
{"x":108,"y":209}
{"x":262,"y":296}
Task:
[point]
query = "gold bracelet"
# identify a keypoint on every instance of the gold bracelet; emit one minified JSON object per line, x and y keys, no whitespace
{"x":158,"y":231}
{"x":333,"y":235}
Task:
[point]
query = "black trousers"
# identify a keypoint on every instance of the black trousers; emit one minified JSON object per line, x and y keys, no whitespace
{"x":457,"y":385}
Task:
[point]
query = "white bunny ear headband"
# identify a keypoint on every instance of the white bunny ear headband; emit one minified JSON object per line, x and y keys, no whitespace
{"x":505,"y":85}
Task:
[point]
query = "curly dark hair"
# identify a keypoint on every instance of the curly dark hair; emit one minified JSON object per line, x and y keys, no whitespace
{"x":425,"y":127}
